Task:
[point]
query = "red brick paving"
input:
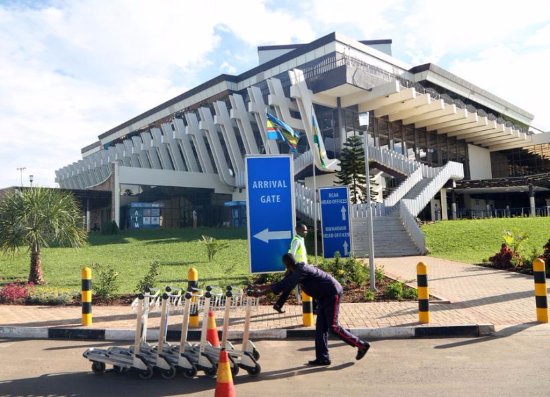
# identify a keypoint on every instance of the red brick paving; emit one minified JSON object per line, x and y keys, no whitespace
{"x":477,"y":295}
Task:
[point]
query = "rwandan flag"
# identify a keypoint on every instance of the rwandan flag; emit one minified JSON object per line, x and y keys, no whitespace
{"x":318,"y":140}
{"x":279,"y":129}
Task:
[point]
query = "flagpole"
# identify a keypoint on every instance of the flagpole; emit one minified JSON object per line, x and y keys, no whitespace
{"x":314,"y":208}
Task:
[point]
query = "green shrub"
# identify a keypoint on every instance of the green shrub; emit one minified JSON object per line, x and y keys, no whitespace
{"x":394,"y":290}
{"x":379,"y":272}
{"x":109,"y":228}
{"x":410,"y":293}
{"x":514,"y":239}
{"x":212,"y":246}
{"x":348,"y":272}
{"x":150,"y":278}
{"x":370,"y":296}
{"x":52,"y":296}
{"x":105,"y":281}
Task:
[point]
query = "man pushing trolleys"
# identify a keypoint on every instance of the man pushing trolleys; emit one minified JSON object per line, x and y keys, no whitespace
{"x":328,"y":293}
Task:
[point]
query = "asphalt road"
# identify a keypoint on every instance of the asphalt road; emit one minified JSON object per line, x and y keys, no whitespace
{"x":516,"y":363}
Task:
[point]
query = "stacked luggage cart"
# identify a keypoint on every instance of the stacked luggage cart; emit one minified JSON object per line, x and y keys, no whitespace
{"x":185,"y":357}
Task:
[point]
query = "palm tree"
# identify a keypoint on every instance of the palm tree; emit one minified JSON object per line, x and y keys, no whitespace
{"x":36,"y":218}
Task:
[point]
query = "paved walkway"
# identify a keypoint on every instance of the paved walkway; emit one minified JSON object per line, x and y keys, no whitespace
{"x":483,"y":294}
{"x":477,"y":295}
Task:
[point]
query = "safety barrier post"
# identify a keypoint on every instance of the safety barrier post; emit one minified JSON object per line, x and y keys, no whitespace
{"x":192,"y":284}
{"x":423,"y":293}
{"x":541,"y":297}
{"x":307,"y":309}
{"x":86,"y":296}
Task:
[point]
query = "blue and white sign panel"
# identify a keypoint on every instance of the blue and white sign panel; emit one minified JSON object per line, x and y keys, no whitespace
{"x":335,"y":221}
{"x":270,"y":210}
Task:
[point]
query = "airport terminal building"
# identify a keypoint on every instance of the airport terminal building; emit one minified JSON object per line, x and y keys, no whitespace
{"x":438,"y":146}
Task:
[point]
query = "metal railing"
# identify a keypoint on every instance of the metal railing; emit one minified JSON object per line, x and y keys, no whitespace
{"x":410,"y":208}
{"x":391,"y":159}
{"x":404,"y":188}
{"x":516,"y":212}
{"x":302,"y":161}
{"x":361,"y":210}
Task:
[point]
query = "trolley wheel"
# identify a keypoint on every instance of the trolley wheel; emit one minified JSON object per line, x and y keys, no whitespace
{"x":147,"y":374}
{"x":98,"y":367}
{"x":211,"y":371}
{"x":254,"y":371}
{"x":256,"y":354}
{"x":190,"y":372}
{"x":234,"y":369}
{"x":168,"y":373}
{"x":118,"y":369}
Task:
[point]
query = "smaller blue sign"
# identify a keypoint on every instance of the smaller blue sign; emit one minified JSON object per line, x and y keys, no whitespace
{"x":335,"y":221}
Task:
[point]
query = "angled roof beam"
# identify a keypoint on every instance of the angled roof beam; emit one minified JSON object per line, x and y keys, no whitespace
{"x":403,"y":95}
{"x":482,"y":122}
{"x":458,"y":115}
{"x":440,"y":110}
{"x":491,"y":125}
{"x":397,"y":108}
{"x":471,"y":118}
{"x":430,"y":105}
{"x":367,"y":95}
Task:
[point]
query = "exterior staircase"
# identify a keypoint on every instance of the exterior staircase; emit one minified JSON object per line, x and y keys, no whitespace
{"x":396,"y":231}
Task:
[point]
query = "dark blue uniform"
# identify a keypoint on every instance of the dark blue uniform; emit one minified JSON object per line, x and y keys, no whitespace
{"x":328,"y":293}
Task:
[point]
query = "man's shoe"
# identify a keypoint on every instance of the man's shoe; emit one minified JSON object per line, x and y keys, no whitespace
{"x":318,"y":363}
{"x":362,"y":351}
{"x":278,"y":309}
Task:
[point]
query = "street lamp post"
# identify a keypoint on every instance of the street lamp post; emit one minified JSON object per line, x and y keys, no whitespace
{"x":31,"y":179}
{"x":21,"y":169}
{"x":370,"y":226}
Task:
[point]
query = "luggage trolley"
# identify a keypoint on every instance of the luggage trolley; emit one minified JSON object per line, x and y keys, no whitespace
{"x":248,"y":357}
{"x":131,"y":358}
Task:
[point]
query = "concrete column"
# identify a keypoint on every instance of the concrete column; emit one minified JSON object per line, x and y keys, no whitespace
{"x":453,"y":204}
{"x":443,"y":194}
{"x":88,"y":215}
{"x":116,"y":194}
{"x":532,"y":200}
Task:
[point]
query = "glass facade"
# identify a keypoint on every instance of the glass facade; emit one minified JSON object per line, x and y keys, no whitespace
{"x":521,"y":162}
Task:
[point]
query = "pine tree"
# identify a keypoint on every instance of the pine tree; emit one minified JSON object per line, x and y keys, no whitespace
{"x":352,"y":170}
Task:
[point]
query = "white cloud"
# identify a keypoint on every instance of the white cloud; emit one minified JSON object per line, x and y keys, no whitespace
{"x":71,"y":70}
{"x":519,"y":77}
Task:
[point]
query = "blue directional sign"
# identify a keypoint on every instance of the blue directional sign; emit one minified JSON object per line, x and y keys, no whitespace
{"x":335,"y":221}
{"x":270,"y":210}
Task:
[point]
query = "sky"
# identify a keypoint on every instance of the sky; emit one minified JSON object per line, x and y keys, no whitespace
{"x":71,"y":70}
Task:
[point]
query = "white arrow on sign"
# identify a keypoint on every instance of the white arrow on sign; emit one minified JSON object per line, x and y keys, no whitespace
{"x":343,"y":210}
{"x":346,"y":247}
{"x":265,"y":235}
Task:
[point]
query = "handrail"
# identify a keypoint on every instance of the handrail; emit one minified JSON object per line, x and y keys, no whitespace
{"x":391,"y":159}
{"x":360,"y":210}
{"x":404,"y":188}
{"x":303,"y":161}
{"x":410,"y":208}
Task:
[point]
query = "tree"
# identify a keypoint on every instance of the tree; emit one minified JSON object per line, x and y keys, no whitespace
{"x":36,"y":218}
{"x":352,"y":169}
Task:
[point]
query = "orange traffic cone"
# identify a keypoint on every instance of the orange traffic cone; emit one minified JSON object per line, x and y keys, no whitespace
{"x":212,"y":330}
{"x":224,"y":379}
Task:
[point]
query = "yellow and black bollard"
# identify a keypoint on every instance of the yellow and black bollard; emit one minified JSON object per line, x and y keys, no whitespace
{"x":192,"y":284}
{"x":423,"y":293}
{"x":540,"y":290}
{"x":86,"y":295}
{"x":307,"y":309}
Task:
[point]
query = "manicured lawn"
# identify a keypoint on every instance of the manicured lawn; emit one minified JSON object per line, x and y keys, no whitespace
{"x":130,"y":253}
{"x":471,"y":241}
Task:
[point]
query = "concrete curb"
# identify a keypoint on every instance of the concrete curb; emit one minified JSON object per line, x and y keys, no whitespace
{"x":421,"y":331}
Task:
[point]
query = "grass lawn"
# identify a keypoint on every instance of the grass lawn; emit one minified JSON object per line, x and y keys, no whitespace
{"x":471,"y":241}
{"x":130,"y":253}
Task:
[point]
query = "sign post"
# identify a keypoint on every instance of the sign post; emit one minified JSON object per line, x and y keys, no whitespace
{"x":335,"y":221}
{"x":270,"y":210}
